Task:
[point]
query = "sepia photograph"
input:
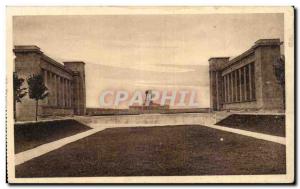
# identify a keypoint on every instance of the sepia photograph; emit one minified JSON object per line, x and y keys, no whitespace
{"x":150,"y":94}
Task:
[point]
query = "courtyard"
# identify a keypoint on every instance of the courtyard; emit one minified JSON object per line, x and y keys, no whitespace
{"x":159,"y":151}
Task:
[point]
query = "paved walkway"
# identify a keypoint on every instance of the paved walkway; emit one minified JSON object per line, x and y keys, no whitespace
{"x":43,"y":149}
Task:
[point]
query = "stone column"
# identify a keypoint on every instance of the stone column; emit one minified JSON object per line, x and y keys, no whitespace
{"x":231,"y":86}
{"x":50,"y":89}
{"x":236,"y":85}
{"x":59,"y":91}
{"x":71,"y":94}
{"x":54,"y":90}
{"x":45,"y":77}
{"x":250,"y":81}
{"x":240,"y":81}
{"x":224,"y":89}
{"x":62,"y":93}
{"x":217,"y":90}
{"x":70,"y":90}
{"x":76,"y":94}
{"x":245,"y":84}
{"x":227,"y":87}
{"x":68,"y":93}
{"x":46,"y":84}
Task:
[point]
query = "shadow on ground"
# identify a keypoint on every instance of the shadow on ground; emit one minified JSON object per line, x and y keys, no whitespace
{"x":31,"y":135}
{"x":267,"y":124}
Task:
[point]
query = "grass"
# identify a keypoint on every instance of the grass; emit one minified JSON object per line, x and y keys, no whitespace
{"x":31,"y":135}
{"x":268,"y":124}
{"x":159,"y":151}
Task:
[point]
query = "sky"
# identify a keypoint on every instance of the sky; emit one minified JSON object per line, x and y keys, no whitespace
{"x":140,"y":52}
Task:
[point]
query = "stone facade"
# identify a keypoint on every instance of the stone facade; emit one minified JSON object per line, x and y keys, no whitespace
{"x":65,"y":83}
{"x":248,"y":81}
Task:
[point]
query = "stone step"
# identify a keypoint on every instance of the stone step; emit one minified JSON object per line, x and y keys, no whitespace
{"x":182,"y":118}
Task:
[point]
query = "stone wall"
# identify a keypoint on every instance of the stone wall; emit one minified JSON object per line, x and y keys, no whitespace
{"x":79,"y":86}
{"x":248,"y":81}
{"x":61,"y":81}
{"x":27,"y":62}
{"x":163,"y":119}
{"x":102,"y":111}
{"x":53,"y":111}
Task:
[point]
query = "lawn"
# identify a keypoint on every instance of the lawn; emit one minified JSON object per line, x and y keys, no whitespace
{"x":31,"y":135}
{"x":268,"y":124}
{"x":149,"y":151}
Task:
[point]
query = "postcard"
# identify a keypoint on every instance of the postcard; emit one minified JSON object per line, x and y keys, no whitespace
{"x":150,"y":95}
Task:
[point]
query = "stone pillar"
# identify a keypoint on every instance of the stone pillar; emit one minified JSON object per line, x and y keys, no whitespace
{"x":67,"y":93}
{"x":232,"y":90}
{"x":78,"y":82}
{"x":212,"y":84}
{"x":62,"y":93}
{"x":228,"y":88}
{"x":55,"y":90}
{"x":59,"y":91}
{"x":236,"y":85}
{"x":269,"y":92}
{"x":70,"y":91}
{"x":250,"y":81}
{"x":50,"y":89}
{"x":216,"y":83}
{"x":225,"y":88}
{"x":218,"y":89}
{"x":46,"y":100}
{"x":245,"y":84}
{"x":231,"y":87}
{"x":45,"y":77}
{"x":76,"y":93}
{"x":240,"y":81}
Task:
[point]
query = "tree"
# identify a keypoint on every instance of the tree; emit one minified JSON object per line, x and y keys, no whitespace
{"x":279,"y":66}
{"x":19,"y":91}
{"x":37,"y":90}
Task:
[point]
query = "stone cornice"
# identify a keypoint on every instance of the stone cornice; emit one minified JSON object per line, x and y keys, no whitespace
{"x":258,"y":43}
{"x":36,"y":49}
